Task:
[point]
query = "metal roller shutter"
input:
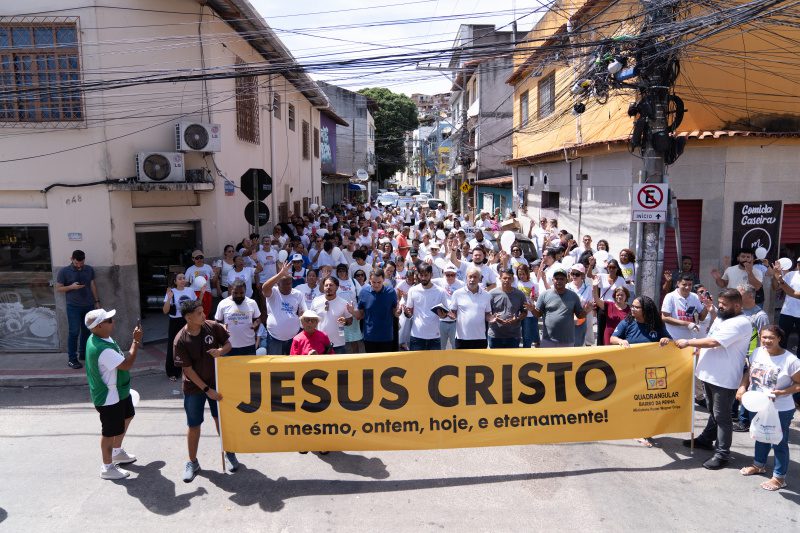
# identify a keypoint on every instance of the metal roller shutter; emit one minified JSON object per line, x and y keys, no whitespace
{"x":790,"y":227}
{"x":690,"y":215}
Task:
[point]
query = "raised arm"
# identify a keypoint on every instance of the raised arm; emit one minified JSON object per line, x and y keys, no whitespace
{"x":266,"y":288}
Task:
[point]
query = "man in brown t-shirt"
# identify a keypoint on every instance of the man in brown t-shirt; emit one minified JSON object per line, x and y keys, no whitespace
{"x":195,"y":348}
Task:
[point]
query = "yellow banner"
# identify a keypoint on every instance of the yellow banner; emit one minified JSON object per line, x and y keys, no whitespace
{"x":452,"y":399}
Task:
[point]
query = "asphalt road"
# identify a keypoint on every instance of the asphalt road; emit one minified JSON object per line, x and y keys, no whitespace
{"x":50,"y":481}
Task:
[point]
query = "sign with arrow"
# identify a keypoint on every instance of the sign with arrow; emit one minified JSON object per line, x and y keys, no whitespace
{"x":649,"y":203}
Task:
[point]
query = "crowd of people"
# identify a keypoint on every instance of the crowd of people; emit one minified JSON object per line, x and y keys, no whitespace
{"x":354,"y":279}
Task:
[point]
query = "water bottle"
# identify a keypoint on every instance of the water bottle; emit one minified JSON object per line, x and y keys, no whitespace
{"x":341,"y":328}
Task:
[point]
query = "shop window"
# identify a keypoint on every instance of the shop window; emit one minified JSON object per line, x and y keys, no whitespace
{"x":27,"y":299}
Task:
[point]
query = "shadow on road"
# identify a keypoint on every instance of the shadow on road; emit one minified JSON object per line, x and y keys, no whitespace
{"x":155,"y":491}
{"x":3,"y":515}
{"x":347,"y":463}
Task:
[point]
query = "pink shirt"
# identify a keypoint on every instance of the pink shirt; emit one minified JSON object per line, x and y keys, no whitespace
{"x":302,"y":343}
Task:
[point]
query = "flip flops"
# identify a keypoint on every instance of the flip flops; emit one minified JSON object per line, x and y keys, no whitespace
{"x":752,"y":470}
{"x":773,"y":484}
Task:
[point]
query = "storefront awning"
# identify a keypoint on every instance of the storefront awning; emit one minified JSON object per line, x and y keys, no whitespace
{"x":493,"y":182}
{"x":357,"y":187}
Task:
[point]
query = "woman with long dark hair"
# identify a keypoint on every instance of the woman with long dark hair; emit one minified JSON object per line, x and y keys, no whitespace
{"x":644,"y":324}
{"x":176,"y":294}
{"x":606,"y":286}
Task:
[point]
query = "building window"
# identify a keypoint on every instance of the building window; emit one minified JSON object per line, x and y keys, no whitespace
{"x":547,"y":95}
{"x":291,"y":117}
{"x":549,"y":200}
{"x":306,"y":140}
{"x":276,"y":105}
{"x":523,"y":109}
{"x":246,"y":106}
{"x":40,"y":75}
{"x":316,"y":143}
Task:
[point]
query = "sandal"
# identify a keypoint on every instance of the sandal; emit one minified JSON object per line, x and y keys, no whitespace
{"x":752,"y":470}
{"x":773,"y":484}
{"x":173,"y":378}
{"x":647,"y":442}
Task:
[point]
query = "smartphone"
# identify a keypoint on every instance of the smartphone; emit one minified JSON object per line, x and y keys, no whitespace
{"x":138,"y":323}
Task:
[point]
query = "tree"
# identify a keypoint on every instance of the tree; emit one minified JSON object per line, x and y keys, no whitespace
{"x":396,"y":114}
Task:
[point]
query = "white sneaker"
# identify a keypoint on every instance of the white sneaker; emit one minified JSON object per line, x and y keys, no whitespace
{"x":123,"y":458}
{"x":114,"y":473}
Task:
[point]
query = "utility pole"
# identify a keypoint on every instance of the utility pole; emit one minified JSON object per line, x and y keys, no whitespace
{"x":656,"y":78}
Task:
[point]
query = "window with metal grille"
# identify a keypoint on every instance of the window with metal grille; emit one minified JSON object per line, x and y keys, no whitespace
{"x":283,"y":211}
{"x":306,"y":140}
{"x":291,"y":117}
{"x":40,"y":74}
{"x":276,"y":105}
{"x":316,"y":143}
{"x":523,"y":109}
{"x":550,"y":200}
{"x":547,"y":95}
{"x":246,"y":105}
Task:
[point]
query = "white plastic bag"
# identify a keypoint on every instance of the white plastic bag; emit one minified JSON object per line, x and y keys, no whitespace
{"x":766,"y":426}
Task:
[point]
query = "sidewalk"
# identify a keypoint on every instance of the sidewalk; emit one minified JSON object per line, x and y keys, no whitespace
{"x":50,"y":369}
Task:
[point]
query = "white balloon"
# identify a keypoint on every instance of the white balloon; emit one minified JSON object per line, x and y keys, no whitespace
{"x":135,"y":397}
{"x":282,"y":255}
{"x":755,"y":401}
{"x":313,"y":207}
{"x":198,"y":283}
{"x":568,"y":261}
{"x":785,"y":262}
{"x":440,"y":234}
{"x":506,"y":240}
{"x":367,"y":215}
{"x":761,"y":252}
{"x":261,"y":351}
{"x":601,"y":256}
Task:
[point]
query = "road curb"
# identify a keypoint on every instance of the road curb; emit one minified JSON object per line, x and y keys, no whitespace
{"x":61,"y":380}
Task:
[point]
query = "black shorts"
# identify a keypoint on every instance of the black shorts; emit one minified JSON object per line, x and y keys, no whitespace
{"x":113,"y":417}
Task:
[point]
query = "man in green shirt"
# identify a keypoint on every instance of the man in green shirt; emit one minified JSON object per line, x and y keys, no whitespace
{"x":107,"y":370}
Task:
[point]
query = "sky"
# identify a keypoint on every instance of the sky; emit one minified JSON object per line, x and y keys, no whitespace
{"x":385,"y":27}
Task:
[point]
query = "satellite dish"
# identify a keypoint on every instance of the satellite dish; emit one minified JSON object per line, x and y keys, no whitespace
{"x":362,"y":175}
{"x":195,"y":137}
{"x":156,"y":167}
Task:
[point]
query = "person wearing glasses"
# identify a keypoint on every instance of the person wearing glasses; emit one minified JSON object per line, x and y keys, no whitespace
{"x":607,"y":284}
{"x":222,"y":268}
{"x":108,"y":374}
{"x":447,"y":325}
{"x":578,"y":285}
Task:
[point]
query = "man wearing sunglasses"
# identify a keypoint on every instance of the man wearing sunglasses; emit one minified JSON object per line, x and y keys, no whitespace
{"x":107,"y":371}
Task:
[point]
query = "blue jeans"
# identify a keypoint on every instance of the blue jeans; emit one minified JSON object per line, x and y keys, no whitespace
{"x":580,"y":334}
{"x":530,"y":331}
{"x":340,"y":349}
{"x":419,"y":345}
{"x":278,"y":347}
{"x":194,"y":404}
{"x":78,"y":332}
{"x":781,"y":449}
{"x":503,"y":343}
{"x":719,"y":427}
{"x":447,"y":332}
{"x":745,"y":416}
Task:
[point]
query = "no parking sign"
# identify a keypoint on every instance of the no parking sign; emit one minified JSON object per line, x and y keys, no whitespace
{"x":649,"y":202}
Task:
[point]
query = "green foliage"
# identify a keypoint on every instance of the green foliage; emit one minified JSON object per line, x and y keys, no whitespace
{"x":396,"y":114}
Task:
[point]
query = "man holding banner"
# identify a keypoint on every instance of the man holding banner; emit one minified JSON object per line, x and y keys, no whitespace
{"x":720,"y":367}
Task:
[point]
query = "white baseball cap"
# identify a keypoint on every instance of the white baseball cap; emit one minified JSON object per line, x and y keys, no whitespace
{"x":96,"y":316}
{"x":310,"y":314}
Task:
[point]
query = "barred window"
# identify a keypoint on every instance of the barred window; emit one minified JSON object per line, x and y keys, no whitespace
{"x":247,"y":118}
{"x":523,"y":109}
{"x":316,"y":143}
{"x":306,"y":140}
{"x":276,"y":105}
{"x":547,"y":95}
{"x":40,"y":74}
{"x":291,"y":117}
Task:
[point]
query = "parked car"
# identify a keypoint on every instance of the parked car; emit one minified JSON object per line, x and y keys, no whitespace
{"x":387,"y":199}
{"x":408,"y":191}
{"x":528,"y":248}
{"x":433,"y":203}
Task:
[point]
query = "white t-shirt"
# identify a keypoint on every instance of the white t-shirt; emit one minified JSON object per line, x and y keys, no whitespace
{"x":488,"y":275}
{"x":283,"y":320}
{"x":347,"y":290}
{"x":486,"y":243}
{"x":736,"y":276}
{"x":770,"y":372}
{"x":449,"y":289}
{"x":268,"y":261}
{"x":723,"y":366}
{"x":791,"y":305}
{"x":308,"y":293}
{"x":366,"y":267}
{"x":179,"y":296}
{"x":328,"y":319}
{"x":238,"y":320}
{"x":607,"y":288}
{"x":683,"y":309}
{"x":424,"y":322}
{"x":471,"y":309}
{"x":107,"y":364}
{"x":245,"y":275}
{"x":192,"y":272}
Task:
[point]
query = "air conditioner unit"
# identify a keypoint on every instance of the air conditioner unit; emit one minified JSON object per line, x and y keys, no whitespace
{"x":159,"y":167}
{"x":198,"y":137}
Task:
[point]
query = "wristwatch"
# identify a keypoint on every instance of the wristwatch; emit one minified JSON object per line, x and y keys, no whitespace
{"x":205,"y":389}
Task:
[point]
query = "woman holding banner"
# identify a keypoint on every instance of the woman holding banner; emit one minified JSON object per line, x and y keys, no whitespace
{"x":773,"y":371}
{"x":644,"y":324}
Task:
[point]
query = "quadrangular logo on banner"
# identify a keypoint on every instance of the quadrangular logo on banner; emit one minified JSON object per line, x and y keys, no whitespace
{"x":656,"y":377}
